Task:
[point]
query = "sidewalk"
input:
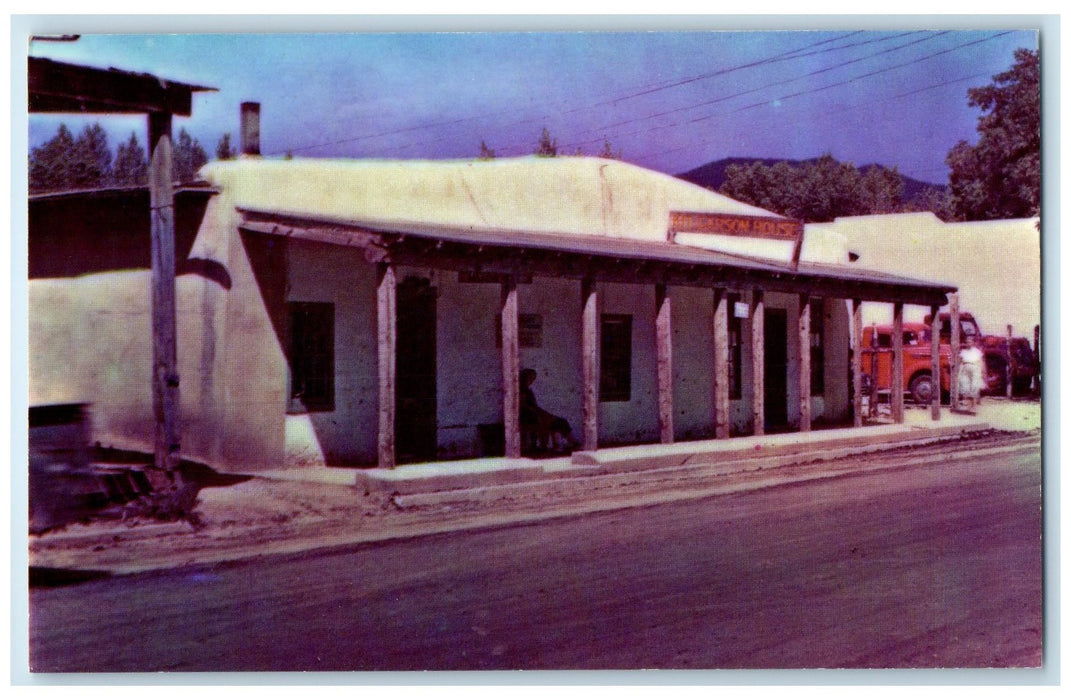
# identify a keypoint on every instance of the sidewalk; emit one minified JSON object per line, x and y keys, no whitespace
{"x":291,"y":512}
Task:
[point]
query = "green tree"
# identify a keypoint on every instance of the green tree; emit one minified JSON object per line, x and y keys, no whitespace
{"x":131,"y":167}
{"x":224,"y":150}
{"x":547,"y":147}
{"x":65,"y":162}
{"x":1000,"y":176}
{"x":91,"y":161}
{"x":882,"y":190}
{"x":188,"y":157}
{"x":814,"y":191}
{"x":932,"y":199}
{"x":608,"y":151}
{"x":50,"y":162}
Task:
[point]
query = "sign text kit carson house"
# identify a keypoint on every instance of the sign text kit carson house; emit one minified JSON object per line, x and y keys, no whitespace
{"x":369,"y":311}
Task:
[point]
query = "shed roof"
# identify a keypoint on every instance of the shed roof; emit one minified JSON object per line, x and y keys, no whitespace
{"x":515,"y":251}
{"x":65,"y":87}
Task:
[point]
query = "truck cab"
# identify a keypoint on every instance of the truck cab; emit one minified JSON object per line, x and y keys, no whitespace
{"x":876,"y":345}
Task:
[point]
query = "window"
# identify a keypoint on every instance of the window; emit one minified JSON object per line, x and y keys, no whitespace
{"x":529,"y":330}
{"x":311,"y":351}
{"x":615,"y":375}
{"x":736,"y":383}
{"x":818,"y":348}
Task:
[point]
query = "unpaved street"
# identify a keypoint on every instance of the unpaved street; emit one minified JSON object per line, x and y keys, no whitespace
{"x":929,"y":565}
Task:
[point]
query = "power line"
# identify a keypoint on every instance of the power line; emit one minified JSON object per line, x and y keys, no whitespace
{"x":869,"y":103}
{"x":800,"y":52}
{"x":816,"y":90}
{"x":726,"y":98}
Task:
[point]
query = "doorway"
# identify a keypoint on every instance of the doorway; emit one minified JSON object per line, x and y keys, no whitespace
{"x":416,"y":419}
{"x":775,"y":368}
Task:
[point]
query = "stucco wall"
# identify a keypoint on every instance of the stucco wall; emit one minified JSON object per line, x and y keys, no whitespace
{"x":469,"y":390}
{"x":90,"y":340}
{"x":995,"y":264}
{"x":590,"y":196}
{"x":340,"y":276}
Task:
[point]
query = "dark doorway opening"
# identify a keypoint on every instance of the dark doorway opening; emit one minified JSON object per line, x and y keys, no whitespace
{"x":776,"y":368}
{"x":416,"y":420}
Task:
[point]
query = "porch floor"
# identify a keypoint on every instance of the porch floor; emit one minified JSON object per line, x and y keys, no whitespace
{"x":735,"y":454}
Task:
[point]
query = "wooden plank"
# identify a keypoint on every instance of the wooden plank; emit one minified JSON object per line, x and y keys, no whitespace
{"x":721,"y":364}
{"x":386,"y":345}
{"x":896,"y":393}
{"x":804,"y":334}
{"x":874,"y":366}
{"x":589,"y":350}
{"x":664,"y":350}
{"x":758,"y":362}
{"x":857,"y":362}
{"x":953,"y":308}
{"x":1009,"y":365}
{"x":64,"y":87}
{"x":165,"y":379}
{"x":511,"y":368}
{"x":935,"y":362}
{"x":1036,"y":380}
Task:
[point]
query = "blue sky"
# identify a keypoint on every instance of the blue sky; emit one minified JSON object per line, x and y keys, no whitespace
{"x":669,"y":101}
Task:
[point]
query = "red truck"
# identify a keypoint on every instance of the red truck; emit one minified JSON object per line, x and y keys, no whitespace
{"x":918,"y":382}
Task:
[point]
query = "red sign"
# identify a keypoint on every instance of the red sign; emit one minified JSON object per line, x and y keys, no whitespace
{"x":735,"y":225}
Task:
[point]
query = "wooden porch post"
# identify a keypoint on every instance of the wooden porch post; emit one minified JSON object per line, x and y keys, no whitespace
{"x":511,"y":370}
{"x":1009,"y":365}
{"x":165,"y":378}
{"x":1035,"y":381}
{"x":935,"y":361}
{"x":857,"y":363}
{"x":804,"y":323}
{"x":664,"y":349}
{"x":589,"y":349}
{"x":386,"y":342}
{"x":721,"y":364}
{"x":953,"y":361}
{"x":758,"y":362}
{"x":896,"y":391}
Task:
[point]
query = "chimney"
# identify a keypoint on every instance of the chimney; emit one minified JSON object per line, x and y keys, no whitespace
{"x":250,"y":128}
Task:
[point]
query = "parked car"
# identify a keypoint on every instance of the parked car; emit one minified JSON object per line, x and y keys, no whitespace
{"x":1024,"y":366}
{"x":918,"y":382}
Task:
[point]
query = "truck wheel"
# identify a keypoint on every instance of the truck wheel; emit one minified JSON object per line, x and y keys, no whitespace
{"x":921,"y":389}
{"x":995,"y":371}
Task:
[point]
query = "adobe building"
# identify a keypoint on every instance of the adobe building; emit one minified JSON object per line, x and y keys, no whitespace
{"x":378,"y":312}
{"x":996,"y":265}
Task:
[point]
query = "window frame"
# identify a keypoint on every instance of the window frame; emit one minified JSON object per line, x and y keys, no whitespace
{"x":615,"y":358}
{"x":310,"y":323}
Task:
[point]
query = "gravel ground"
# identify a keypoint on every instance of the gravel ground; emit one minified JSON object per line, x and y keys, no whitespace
{"x":265,"y":517}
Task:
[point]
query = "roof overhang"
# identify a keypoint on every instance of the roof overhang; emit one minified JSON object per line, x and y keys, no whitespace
{"x":65,"y":87}
{"x":503,"y":252}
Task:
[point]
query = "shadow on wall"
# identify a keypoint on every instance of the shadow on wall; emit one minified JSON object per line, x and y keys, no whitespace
{"x":82,"y":233}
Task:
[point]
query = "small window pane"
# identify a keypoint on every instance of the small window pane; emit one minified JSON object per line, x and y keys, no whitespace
{"x":311,"y":353}
{"x":615,"y":372}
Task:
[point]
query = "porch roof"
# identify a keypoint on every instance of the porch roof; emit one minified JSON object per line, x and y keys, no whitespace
{"x":518,"y":252}
{"x":64,"y":87}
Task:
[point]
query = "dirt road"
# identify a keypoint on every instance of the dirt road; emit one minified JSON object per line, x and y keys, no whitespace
{"x":934,"y":564}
